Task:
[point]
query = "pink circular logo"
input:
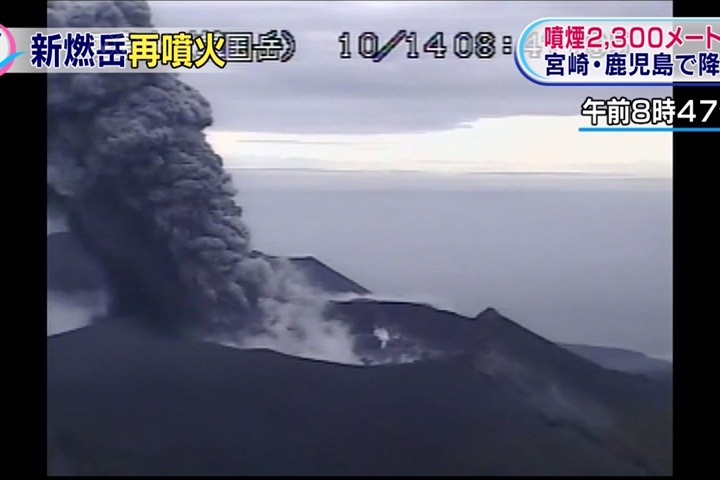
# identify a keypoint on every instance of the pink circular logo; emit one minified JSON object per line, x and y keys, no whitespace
{"x":8,"y":42}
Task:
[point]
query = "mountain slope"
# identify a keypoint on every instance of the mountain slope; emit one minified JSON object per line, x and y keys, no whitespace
{"x":111,"y":390}
{"x":622,"y":359}
{"x":632,"y":413}
{"x":320,"y":275}
{"x":122,"y":402}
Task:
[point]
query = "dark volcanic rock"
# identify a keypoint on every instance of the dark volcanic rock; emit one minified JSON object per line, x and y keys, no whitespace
{"x":631,"y":412}
{"x":120,"y":402}
{"x":325,"y":277}
{"x":501,"y":344}
{"x":495,"y":398}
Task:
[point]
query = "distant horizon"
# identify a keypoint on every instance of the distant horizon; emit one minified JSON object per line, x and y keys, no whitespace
{"x":316,"y":178}
{"x":526,"y":144}
{"x":441,"y":174}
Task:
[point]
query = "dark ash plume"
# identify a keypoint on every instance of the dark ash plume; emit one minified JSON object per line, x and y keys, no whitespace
{"x":129,"y":164}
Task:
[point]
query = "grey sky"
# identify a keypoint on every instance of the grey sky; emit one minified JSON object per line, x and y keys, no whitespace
{"x":317,"y":92}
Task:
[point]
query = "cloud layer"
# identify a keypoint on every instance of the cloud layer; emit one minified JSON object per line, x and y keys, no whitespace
{"x":318,"y":92}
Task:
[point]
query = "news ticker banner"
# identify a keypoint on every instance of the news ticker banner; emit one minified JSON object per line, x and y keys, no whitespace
{"x":553,"y":52}
{"x":549,"y":51}
{"x":114,"y":50}
{"x":620,"y":51}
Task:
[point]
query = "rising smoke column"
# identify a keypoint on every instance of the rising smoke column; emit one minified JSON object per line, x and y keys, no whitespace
{"x":129,"y":162}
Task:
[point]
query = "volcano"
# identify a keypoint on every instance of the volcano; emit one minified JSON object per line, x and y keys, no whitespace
{"x":163,"y":364}
{"x":488,"y":397}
